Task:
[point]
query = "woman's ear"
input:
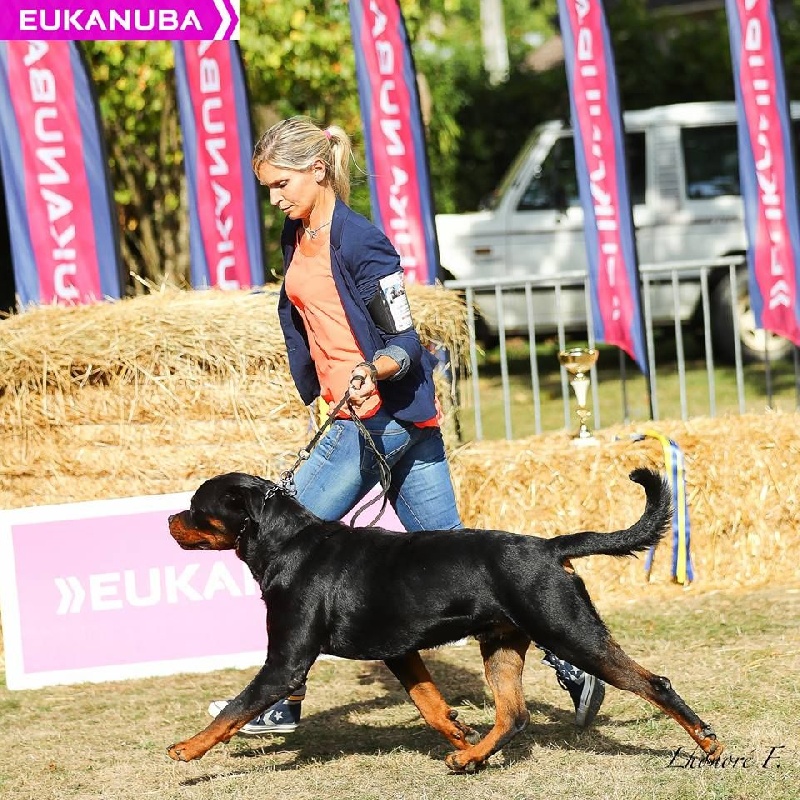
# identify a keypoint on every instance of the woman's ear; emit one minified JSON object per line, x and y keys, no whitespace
{"x":318,"y":168}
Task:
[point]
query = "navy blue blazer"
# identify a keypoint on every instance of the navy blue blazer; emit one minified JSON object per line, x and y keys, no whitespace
{"x":360,"y":256}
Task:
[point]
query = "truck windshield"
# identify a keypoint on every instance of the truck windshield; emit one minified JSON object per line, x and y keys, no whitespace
{"x":492,"y":200}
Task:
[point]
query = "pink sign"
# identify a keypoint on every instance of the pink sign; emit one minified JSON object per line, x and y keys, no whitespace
{"x":768,"y":178}
{"x":100,"y":591}
{"x":394,"y":135}
{"x":600,"y":162}
{"x":219,"y":192}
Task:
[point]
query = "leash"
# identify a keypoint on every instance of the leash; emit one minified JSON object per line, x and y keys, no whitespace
{"x":286,"y":482}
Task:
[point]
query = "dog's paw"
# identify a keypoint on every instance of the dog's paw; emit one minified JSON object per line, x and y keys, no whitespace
{"x":462,"y":733}
{"x":471,"y":736}
{"x":456,"y":763}
{"x":183,"y":751}
{"x":175,"y":752}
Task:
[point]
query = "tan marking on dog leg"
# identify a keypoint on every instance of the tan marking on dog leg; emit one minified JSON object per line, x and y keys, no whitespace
{"x":220,"y":730}
{"x":413,"y":674}
{"x":503,"y":663}
{"x":620,"y":670}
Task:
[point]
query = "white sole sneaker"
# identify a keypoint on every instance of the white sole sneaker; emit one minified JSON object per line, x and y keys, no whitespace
{"x":262,"y":725}
{"x":592,"y":694}
{"x":216,"y":706}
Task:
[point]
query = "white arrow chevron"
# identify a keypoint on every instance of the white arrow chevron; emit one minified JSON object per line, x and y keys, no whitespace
{"x":779,"y":295}
{"x":226,"y":19}
{"x":72,"y":595}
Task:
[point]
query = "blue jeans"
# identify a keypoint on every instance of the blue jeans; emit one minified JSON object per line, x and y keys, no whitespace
{"x":342,"y":469}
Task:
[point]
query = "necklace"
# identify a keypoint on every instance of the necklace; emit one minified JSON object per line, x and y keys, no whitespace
{"x":312,"y":232}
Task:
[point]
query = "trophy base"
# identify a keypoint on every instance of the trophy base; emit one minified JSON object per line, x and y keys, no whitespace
{"x":584,"y":440}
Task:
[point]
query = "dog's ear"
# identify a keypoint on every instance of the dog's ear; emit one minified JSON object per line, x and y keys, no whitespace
{"x":244,"y":495}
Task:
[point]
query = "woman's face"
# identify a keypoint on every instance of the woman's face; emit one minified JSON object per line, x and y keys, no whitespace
{"x":295,"y":192}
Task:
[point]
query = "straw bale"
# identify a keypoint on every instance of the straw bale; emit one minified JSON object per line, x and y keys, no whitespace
{"x":168,"y":353}
{"x":154,"y":393}
{"x":743,"y":488}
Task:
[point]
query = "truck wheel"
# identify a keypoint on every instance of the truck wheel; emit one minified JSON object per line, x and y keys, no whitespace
{"x":756,"y":343}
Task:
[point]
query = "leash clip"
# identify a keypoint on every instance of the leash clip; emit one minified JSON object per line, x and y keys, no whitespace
{"x":286,"y":483}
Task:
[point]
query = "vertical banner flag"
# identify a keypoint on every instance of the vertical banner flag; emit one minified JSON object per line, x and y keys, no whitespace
{"x":602,"y":177}
{"x":225,"y":227}
{"x":61,"y":216}
{"x":399,"y":180}
{"x":766,"y":166}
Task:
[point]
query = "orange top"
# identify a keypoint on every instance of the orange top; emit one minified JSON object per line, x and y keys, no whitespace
{"x":334,"y":349}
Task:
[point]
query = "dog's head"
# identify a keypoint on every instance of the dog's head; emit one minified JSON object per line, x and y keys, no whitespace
{"x":222,"y":510}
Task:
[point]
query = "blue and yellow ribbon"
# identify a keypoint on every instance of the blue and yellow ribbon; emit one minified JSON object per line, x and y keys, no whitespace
{"x":682,"y":571}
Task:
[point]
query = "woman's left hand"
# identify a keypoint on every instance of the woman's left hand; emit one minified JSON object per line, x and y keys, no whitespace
{"x":363,"y":383}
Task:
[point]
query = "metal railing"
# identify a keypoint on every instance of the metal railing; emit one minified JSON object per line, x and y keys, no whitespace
{"x":755,"y":384}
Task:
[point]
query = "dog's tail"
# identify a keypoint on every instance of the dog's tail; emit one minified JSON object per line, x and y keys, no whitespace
{"x":649,"y":529}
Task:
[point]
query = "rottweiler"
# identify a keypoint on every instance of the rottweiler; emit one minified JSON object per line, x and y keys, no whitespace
{"x":374,"y":594}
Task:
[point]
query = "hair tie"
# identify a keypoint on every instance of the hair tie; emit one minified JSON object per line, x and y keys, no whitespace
{"x":327,"y":133}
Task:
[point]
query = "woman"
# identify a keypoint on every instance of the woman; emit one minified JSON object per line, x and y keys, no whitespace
{"x":347,"y":325}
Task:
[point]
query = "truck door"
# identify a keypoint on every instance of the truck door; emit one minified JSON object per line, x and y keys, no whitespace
{"x":545,"y":229}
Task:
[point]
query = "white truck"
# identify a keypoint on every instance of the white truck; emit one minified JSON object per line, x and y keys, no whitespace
{"x":683,"y":173}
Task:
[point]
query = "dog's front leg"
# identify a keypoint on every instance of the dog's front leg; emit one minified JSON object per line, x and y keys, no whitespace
{"x":269,"y":686}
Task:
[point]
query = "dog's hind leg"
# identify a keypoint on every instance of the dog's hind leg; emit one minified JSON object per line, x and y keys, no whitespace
{"x":614,"y":666}
{"x":503,"y":660}
{"x":411,"y":671}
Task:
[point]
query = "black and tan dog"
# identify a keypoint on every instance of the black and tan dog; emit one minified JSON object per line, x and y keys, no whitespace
{"x":368,"y":593}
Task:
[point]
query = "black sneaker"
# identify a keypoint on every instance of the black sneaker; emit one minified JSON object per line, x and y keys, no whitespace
{"x":587,"y":691}
{"x":283,"y":717}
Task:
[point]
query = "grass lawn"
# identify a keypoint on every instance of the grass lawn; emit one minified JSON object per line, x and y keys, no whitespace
{"x":734,"y":657}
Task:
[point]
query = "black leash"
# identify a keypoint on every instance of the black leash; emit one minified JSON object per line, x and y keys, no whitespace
{"x":286,"y":482}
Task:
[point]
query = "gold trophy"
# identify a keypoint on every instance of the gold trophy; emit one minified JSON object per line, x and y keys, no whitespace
{"x":578,"y":361}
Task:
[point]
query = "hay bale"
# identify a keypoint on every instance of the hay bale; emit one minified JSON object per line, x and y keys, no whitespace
{"x":743,"y":491}
{"x":154,"y":393}
{"x":171,"y":353}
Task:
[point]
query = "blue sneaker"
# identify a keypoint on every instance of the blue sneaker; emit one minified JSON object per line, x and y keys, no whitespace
{"x":587,"y":691}
{"x":282,"y":717}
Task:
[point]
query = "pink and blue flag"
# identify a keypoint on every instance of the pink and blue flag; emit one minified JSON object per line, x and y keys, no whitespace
{"x":225,"y":227}
{"x":399,"y":180}
{"x":766,"y":167}
{"x":602,"y":178}
{"x":61,"y":215}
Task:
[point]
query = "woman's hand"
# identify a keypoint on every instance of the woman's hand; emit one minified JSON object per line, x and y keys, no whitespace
{"x":363,"y":383}
{"x":365,"y":376}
